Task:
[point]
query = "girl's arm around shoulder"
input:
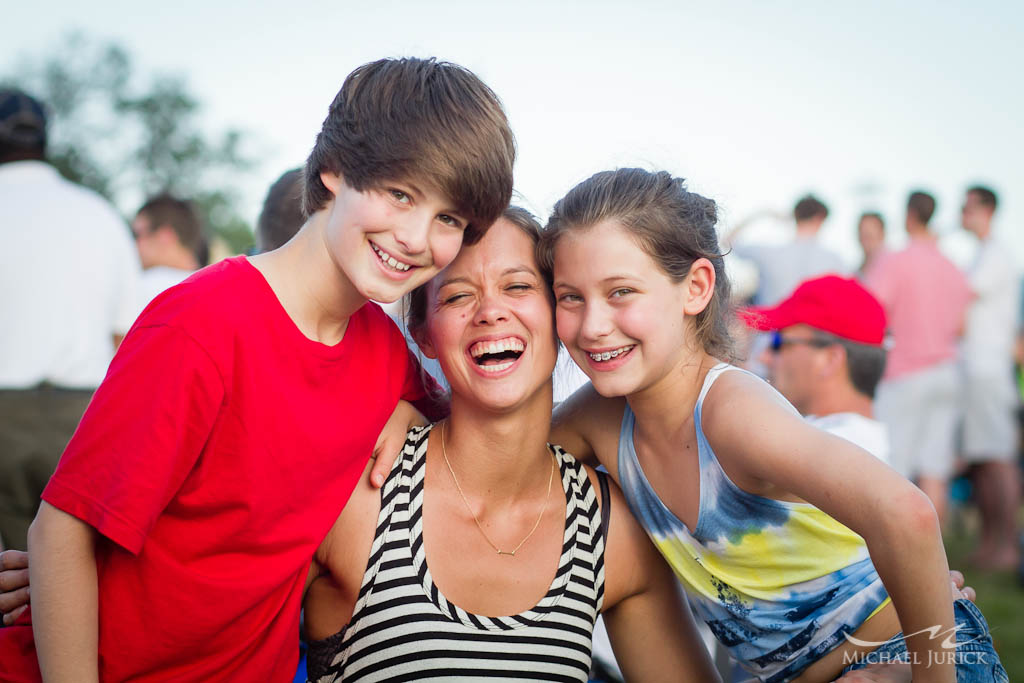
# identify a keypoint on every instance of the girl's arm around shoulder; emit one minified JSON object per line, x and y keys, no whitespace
{"x":587,"y":425}
{"x":340,"y":562}
{"x":649,"y":623}
{"x":762,"y":442}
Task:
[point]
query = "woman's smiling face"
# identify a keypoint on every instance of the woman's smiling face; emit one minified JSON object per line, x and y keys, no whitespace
{"x":490,"y":321}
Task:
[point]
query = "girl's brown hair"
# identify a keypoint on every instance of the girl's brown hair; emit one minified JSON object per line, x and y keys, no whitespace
{"x":673,"y":226}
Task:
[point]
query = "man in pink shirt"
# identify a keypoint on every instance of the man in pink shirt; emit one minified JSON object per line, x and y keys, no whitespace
{"x":925,"y":297}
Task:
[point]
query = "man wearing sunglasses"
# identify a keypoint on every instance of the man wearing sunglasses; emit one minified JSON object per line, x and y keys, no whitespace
{"x":827,"y":356}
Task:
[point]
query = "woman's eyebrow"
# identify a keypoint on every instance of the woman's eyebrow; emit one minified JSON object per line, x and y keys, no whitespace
{"x":452,"y":281}
{"x":519,"y":269}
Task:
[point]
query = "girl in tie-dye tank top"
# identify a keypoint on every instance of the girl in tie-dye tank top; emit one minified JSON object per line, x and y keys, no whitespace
{"x":797,"y":548}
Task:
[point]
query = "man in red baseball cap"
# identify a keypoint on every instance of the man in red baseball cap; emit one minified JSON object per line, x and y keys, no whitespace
{"x":827,"y":356}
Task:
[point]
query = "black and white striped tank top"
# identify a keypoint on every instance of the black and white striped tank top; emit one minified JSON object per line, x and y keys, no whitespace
{"x":404,"y":629}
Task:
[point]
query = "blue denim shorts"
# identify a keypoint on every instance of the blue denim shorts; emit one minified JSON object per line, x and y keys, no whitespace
{"x":976,"y":659}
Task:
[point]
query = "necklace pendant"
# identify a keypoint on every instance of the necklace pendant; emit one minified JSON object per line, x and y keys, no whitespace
{"x":505,"y":552}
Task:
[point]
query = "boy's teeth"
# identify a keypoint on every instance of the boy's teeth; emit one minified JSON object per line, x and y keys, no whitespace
{"x":389,"y":260}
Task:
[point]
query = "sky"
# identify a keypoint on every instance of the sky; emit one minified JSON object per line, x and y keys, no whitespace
{"x":755,"y":103}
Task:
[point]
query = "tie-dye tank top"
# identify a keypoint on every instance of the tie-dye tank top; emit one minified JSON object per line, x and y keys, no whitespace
{"x":779,"y":583}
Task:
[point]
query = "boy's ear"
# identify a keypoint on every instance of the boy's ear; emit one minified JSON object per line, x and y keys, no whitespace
{"x":700,"y":286}
{"x":332,"y":181}
{"x":423,"y":341}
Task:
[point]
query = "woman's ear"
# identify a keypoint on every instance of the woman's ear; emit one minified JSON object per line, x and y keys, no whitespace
{"x":422,"y":339}
{"x":332,"y":181}
{"x":700,"y":286}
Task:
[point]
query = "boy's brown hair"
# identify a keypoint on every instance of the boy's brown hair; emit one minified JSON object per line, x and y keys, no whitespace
{"x":417,"y":120}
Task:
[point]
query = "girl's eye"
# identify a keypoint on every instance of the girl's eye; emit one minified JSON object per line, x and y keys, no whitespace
{"x":569,"y":298}
{"x":400,"y":196}
{"x":622,"y":291}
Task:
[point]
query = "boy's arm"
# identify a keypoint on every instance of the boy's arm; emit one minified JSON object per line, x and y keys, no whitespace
{"x":758,"y":437}
{"x":422,"y":401}
{"x":65,"y":606}
{"x":389,"y":443}
{"x":649,"y":623}
{"x":587,"y":425}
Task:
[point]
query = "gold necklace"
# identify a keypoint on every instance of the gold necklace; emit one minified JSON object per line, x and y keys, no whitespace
{"x":547,"y":499}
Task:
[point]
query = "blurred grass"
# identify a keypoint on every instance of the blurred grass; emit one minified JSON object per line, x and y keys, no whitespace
{"x":1000,"y":594}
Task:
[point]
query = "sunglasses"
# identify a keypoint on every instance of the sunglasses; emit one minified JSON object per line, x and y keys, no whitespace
{"x":778,"y":341}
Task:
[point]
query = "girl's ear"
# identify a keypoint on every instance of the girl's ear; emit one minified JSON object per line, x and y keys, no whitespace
{"x":700,"y":286}
{"x":332,"y":181}
{"x":422,"y":339}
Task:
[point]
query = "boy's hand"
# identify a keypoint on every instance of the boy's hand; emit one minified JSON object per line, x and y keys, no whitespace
{"x":13,"y":585}
{"x":391,"y":438}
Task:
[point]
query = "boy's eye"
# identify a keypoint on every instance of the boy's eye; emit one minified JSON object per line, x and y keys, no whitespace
{"x":449,"y":220}
{"x":399,"y":196}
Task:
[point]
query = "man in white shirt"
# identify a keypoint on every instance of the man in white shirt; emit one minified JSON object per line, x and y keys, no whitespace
{"x":781,"y":267}
{"x":990,"y":438}
{"x":68,"y":288}
{"x":826,"y":357}
{"x":172,"y":245}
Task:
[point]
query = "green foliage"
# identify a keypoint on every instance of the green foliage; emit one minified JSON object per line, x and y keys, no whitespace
{"x":129,"y":141}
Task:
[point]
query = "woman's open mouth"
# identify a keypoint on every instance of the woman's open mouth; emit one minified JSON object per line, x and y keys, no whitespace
{"x":496,"y":355}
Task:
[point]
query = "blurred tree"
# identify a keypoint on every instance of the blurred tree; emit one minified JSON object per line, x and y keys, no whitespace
{"x":128,"y":141}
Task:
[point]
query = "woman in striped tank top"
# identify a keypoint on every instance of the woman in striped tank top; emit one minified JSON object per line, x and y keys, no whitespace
{"x":483,"y":556}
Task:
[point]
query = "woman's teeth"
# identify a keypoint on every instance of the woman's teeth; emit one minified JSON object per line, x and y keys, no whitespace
{"x":497,"y":368}
{"x":389,"y":260}
{"x":608,"y":355}
{"x":496,"y":346}
{"x":497,"y":355}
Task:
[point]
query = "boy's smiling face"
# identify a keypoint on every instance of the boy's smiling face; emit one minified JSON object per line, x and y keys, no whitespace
{"x":391,"y":239}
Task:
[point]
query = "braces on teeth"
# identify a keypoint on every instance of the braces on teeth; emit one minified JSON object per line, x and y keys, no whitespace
{"x":606,"y":355}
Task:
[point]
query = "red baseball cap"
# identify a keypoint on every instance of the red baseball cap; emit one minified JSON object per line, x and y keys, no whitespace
{"x":834,"y":304}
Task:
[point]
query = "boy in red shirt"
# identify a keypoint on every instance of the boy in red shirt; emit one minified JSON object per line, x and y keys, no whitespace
{"x":175,"y":537}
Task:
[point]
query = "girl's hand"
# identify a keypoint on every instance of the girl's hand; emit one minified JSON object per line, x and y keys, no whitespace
{"x":13,"y":585}
{"x":391,"y":438}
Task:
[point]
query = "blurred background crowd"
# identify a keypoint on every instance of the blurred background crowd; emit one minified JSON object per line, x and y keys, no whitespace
{"x":113,"y":188}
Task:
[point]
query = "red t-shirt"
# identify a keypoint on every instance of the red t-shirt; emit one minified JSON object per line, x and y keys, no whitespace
{"x":213,"y":459}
